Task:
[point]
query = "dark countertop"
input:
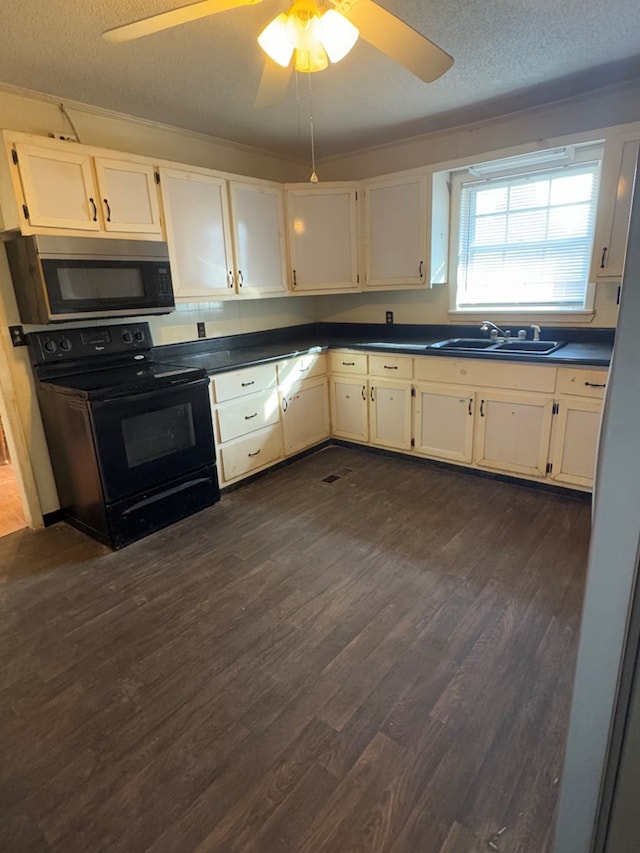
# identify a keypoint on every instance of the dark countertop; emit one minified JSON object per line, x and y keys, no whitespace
{"x":217,"y":355}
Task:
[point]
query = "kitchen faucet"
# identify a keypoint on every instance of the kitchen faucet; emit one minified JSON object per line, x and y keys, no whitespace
{"x":495,"y":330}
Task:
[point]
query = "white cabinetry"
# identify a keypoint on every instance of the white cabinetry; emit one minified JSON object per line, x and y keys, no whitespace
{"x":66,"y":188}
{"x":390,"y":414}
{"x":614,"y":207}
{"x":305,"y":415}
{"x":396,"y":227}
{"x":323,"y":237}
{"x":443,"y":422}
{"x":513,"y":432}
{"x":349,"y":409}
{"x":198,"y":233}
{"x":258,"y":224}
{"x":246,"y":418}
{"x":575,"y":441}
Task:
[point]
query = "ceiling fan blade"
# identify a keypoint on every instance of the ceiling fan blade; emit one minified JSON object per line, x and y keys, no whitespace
{"x":273,"y":84}
{"x":397,"y":39}
{"x":165,"y":20}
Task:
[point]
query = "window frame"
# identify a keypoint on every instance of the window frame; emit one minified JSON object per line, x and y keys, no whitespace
{"x":583,"y":153}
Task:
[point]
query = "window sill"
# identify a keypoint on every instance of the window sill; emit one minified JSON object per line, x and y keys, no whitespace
{"x":524,"y":315}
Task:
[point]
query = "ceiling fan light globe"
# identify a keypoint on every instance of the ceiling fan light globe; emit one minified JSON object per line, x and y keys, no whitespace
{"x":309,"y":61}
{"x":304,"y":30}
{"x":274,"y":40}
{"x":338,"y":35}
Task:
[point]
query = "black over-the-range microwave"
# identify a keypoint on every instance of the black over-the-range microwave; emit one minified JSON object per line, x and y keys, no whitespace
{"x":76,"y":278}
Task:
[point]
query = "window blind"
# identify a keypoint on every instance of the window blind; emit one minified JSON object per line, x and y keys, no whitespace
{"x":526,"y":239}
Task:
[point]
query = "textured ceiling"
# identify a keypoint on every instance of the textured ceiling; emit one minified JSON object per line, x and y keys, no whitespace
{"x":203,"y":76}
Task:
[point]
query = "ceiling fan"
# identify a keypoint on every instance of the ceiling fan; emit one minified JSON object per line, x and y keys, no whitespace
{"x":314,"y":36}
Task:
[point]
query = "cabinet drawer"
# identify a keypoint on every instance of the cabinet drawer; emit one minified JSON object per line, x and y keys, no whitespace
{"x":301,"y":367}
{"x":251,"y":452}
{"x":237,"y":383}
{"x":391,"y":366}
{"x":348,"y":362}
{"x":246,"y":414}
{"x":488,"y":374}
{"x":582,"y":381}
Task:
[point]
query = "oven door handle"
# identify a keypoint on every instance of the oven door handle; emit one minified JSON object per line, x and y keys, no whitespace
{"x":165,"y":494}
{"x":112,"y":399}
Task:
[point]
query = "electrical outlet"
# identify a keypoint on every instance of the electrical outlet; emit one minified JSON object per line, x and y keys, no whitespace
{"x":17,"y":336}
{"x":389,"y":316}
{"x":202,"y":332}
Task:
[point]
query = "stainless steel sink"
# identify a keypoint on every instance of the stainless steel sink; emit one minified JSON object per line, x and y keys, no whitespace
{"x":501,"y":347}
{"x":464,"y":343}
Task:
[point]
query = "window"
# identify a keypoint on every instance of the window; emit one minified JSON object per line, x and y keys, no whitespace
{"x":525,"y":235}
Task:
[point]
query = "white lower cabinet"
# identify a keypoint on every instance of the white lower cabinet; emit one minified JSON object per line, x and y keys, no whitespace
{"x":575,"y":441}
{"x":305,"y":415}
{"x":513,"y":432}
{"x":250,"y":453}
{"x":349,"y":408}
{"x":390,"y":414}
{"x":443,"y":422}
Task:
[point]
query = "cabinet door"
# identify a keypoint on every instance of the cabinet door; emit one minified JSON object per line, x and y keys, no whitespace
{"x":129,"y":196}
{"x":305,"y":415}
{"x":396,"y":232}
{"x":614,"y":209}
{"x":513,"y":432}
{"x":444,"y":419}
{"x":258,"y":223}
{"x":59,"y":188}
{"x":323,"y":239}
{"x":575,"y":441}
{"x":390,"y":408}
{"x":349,"y":410}
{"x":198,"y":232}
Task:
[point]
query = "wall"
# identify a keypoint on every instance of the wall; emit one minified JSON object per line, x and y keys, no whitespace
{"x":606,"y":108}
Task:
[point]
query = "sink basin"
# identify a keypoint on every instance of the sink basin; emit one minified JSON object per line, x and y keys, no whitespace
{"x":542,"y":347}
{"x":464,"y":343}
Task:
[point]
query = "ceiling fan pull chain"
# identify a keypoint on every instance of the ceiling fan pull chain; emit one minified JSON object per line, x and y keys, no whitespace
{"x":314,"y":177}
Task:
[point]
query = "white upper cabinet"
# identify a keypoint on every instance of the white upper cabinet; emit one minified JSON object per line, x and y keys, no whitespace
{"x":59,"y":188}
{"x":614,"y":207}
{"x":128,"y":196}
{"x":65,"y":188}
{"x":396,"y":228}
{"x":323,"y":238}
{"x":196,"y":214}
{"x":258,"y":223}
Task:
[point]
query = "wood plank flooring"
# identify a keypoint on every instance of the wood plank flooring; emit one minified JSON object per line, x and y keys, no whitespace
{"x":380,"y":664}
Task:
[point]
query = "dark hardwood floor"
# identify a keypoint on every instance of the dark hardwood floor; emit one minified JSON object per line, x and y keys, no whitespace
{"x":383,"y":663}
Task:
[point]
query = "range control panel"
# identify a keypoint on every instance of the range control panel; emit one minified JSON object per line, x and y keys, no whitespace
{"x":71,"y":344}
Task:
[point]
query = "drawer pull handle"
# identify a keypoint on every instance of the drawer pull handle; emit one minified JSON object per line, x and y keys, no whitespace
{"x":596,"y":384}
{"x":254,"y":454}
{"x":481,"y":408}
{"x":246,"y":384}
{"x":349,"y":363}
{"x":248,"y":417}
{"x":390,"y":366}
{"x":304,"y":369}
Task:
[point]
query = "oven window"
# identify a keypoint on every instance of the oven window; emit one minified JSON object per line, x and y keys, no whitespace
{"x":155,"y":435}
{"x":83,"y":283}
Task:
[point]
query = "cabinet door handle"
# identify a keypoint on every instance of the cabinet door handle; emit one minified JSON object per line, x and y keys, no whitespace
{"x":285,"y":405}
{"x":390,"y":366}
{"x":481,"y":408}
{"x":304,"y":369}
{"x":254,"y":454}
{"x":373,"y":399}
{"x":248,"y":417}
{"x":596,"y":384}
{"x":246,"y":384}
{"x":420,"y":268}
{"x":364,"y":393}
{"x":95,"y":210}
{"x":230,"y":278}
{"x":603,"y":259}
{"x":295,"y":279}
{"x":106,"y":204}
{"x":470,"y":408}
{"x":240,"y":278}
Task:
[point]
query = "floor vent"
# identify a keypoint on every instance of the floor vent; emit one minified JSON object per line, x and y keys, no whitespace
{"x":332,"y":478}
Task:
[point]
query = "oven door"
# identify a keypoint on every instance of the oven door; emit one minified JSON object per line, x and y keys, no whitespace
{"x":146,"y":440}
